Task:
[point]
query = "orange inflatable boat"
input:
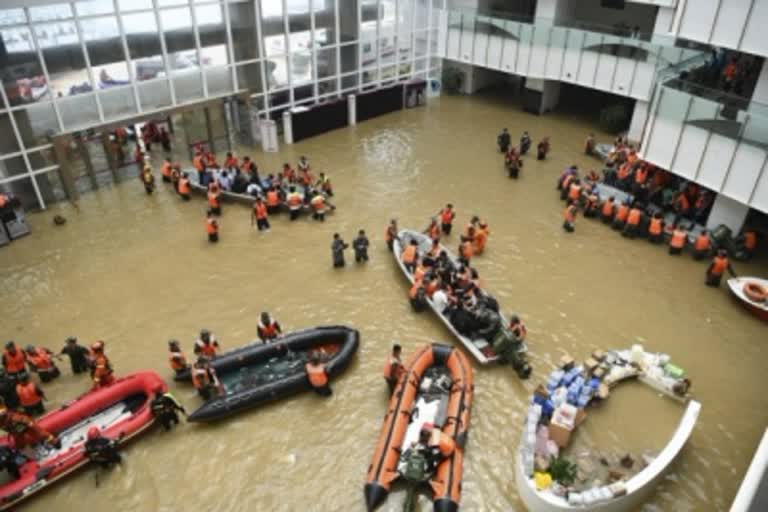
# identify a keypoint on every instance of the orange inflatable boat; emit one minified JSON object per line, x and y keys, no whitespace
{"x":433,"y":395}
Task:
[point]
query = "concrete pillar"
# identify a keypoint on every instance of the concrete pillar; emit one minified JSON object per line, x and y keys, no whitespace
{"x":61,"y":150}
{"x":109,"y":154}
{"x":727,"y":211}
{"x":86,"y":157}
{"x":541,"y":95}
{"x":760,"y":94}
{"x":352,"y":110}
{"x":637,"y":125}
{"x":208,"y":129}
{"x":287,"y":127}
{"x":268,"y":131}
{"x":663,"y":25}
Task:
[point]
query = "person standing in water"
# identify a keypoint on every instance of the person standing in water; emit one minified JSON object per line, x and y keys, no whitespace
{"x":259,"y":215}
{"x":360,"y":245}
{"x":543,"y":149}
{"x":148,"y":179}
{"x":337,"y":250}
{"x":78,"y":355}
{"x":165,"y":408}
{"x":503,"y":141}
{"x":717,"y":268}
{"x":569,"y":216}
{"x":268,"y":328}
{"x":525,"y":143}
{"x":211,"y":227}
{"x":446,"y":219}
{"x":394,"y":367}
{"x":390,"y":234}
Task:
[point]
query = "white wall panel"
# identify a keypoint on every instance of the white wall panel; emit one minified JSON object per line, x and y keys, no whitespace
{"x":606,"y":69}
{"x":467,"y":38}
{"x":587,"y":68}
{"x":622,"y":80}
{"x":697,"y":19}
{"x":495,"y":47}
{"x":691,"y":147}
{"x":539,"y":47}
{"x":665,"y":128}
{"x":556,"y":54}
{"x":524,"y":49}
{"x":509,"y":55}
{"x":481,"y":49}
{"x":642,"y":82}
{"x":744,"y":172}
{"x":715,"y":162}
{"x":730,"y":23}
{"x":453,"y":42}
{"x":572,"y":56}
{"x":760,"y":196}
{"x":755,"y":39}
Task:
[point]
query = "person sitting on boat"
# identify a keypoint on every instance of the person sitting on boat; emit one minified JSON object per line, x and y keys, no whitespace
{"x":417,"y":296}
{"x":177,"y":359}
{"x":24,"y":430}
{"x":101,"y":369}
{"x":439,"y":445}
{"x":30,"y":395}
{"x":303,"y":164}
{"x":288,"y":173}
{"x":717,"y":268}
{"x":318,"y":377}
{"x":78,"y":355}
{"x":225,"y":181}
{"x":231,"y":162}
{"x":318,"y":204}
{"x":517,"y":327}
{"x":466,"y":249}
{"x":441,"y":300}
{"x":14,"y":361}
{"x":268,"y":328}
{"x":253,"y":189}
{"x":390,"y":234}
{"x":204,"y":378}
{"x":206,"y":345}
{"x":394,"y":368}
{"x":239,"y":183}
{"x":294,"y":200}
{"x":461,"y":317}
{"x":102,"y":450}
{"x":305,"y":177}
{"x":410,"y":256}
{"x":165,"y":408}
{"x":360,"y":245}
{"x":488,"y":322}
{"x":40,"y":361}
{"x":433,"y":230}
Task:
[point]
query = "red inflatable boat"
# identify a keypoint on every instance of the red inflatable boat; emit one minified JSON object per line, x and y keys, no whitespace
{"x":121,"y":410}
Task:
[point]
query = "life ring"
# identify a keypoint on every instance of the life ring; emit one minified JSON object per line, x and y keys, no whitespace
{"x":755,"y":292}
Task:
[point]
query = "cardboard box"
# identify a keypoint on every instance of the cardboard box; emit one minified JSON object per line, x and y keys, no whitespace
{"x":566,"y":362}
{"x":599,"y":355}
{"x":603,"y":391}
{"x":581,"y":415}
{"x":591,"y":365}
{"x":560,"y":435}
{"x":599,"y":372}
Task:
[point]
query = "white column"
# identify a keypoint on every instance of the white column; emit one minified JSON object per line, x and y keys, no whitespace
{"x":287,"y":127}
{"x":729,"y":212}
{"x":351,"y":110}
{"x":761,"y":88}
{"x":268,"y":131}
{"x":639,"y":118}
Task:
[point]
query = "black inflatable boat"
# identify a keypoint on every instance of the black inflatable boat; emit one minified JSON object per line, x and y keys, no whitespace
{"x":260,"y":373}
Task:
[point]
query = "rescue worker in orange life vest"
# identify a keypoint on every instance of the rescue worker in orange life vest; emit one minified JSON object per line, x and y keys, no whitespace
{"x":318,"y":378}
{"x":102,"y":450}
{"x":177,"y":359}
{"x":14,"y":361}
{"x":40,"y":361}
{"x":101,"y":368}
{"x":517,"y":327}
{"x":394,"y":367}
{"x":410,"y":256}
{"x":337,"y":250}
{"x":204,"y":379}
{"x":260,"y":215}
{"x":30,"y":396}
{"x":716,"y":269}
{"x":211,"y":227}
{"x":390,"y":234}
{"x":206,"y":345}
{"x":268,"y":328}
{"x":360,"y":245}
{"x":569,"y":215}
{"x":446,"y":218}
{"x":24,"y":430}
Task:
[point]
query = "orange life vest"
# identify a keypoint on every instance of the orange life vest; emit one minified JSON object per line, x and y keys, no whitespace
{"x":442,"y":442}
{"x":197,"y":162}
{"x":101,"y":367}
{"x":682,"y":203}
{"x":414,"y":291}
{"x":481,"y":237}
{"x":409,"y":254}
{"x":210,"y":160}
{"x":574,"y":192}
{"x":719,"y":265}
{"x":434,"y":231}
{"x":388,"y":234}
{"x":654,"y":228}
{"x":178,"y":360}
{"x":393,"y":362}
{"x":750,"y":240}
{"x":184,"y":186}
{"x":622,"y":213}
{"x":231,"y":162}
{"x":206,"y":349}
{"x":466,"y":250}
{"x":624,"y":171}
{"x":607,"y":209}
{"x":678,"y":239}
{"x":567,"y":181}
{"x":211,"y":226}
{"x":273,"y":198}
{"x":431,"y":288}
{"x":14,"y":363}
{"x":213,"y":199}
{"x":165,"y":170}
{"x":40,"y":359}
{"x":200,"y":377}
{"x":570,"y":214}
{"x":260,"y":209}
{"x":28,"y":395}
{"x":633,"y":219}
{"x":641,"y":175}
{"x":268,"y":331}
{"x":702,"y":242}
{"x":446,"y":216}
{"x":294,"y":200}
{"x":317,"y":375}
{"x":318,"y":203}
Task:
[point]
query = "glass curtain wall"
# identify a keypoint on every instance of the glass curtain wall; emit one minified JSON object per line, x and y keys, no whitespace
{"x":70,"y":66}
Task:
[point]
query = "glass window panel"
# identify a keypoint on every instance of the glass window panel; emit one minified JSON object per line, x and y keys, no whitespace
{"x":271,"y":8}
{"x":213,"y":35}
{"x":327,"y":86}
{"x":349,"y":82}
{"x":8,"y":142}
{"x":301,"y":67}
{"x":388,"y":73}
{"x":50,"y":12}
{"x":369,"y":52}
{"x":370,"y":17}
{"x":326,"y":62}
{"x":144,"y":45}
{"x":92,"y":7}
{"x":188,"y":84}
{"x":78,"y":111}
{"x":149,"y":68}
{"x":105,"y":50}
{"x":303,"y":92}
{"x":276,"y":71}
{"x":348,"y":57}
{"x":22,"y":188}
{"x":184,"y":62}
{"x":249,"y":77}
{"x":12,"y":16}
{"x":154,"y":94}
{"x":118,"y":102}
{"x":279,"y":99}
{"x":370,"y":76}
{"x":165,"y":3}
{"x":134,"y":5}
{"x":13,"y":166}
{"x":64,"y":58}
{"x":241,"y":20}
{"x":22,"y":74}
{"x":298,"y":15}
{"x":51,"y":187}
{"x":42,"y":158}
{"x":219,"y":80}
{"x":175,"y":19}
{"x":37,"y":124}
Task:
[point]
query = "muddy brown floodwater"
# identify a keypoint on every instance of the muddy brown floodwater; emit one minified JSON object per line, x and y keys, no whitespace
{"x":137,"y":270}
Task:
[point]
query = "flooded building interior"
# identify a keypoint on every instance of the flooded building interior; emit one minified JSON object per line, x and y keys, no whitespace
{"x":129,"y":217}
